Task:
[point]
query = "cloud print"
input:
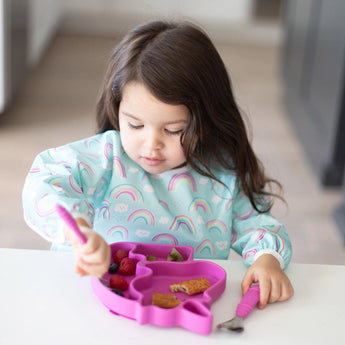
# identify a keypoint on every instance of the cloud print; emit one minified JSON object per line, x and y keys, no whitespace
{"x":121,"y":208}
{"x":142,"y":233}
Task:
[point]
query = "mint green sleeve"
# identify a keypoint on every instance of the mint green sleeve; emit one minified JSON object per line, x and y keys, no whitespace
{"x":74,"y":176}
{"x":257,"y":233}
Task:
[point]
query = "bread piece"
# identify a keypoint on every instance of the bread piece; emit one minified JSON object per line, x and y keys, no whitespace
{"x":175,"y":255}
{"x":151,"y":258}
{"x":165,"y":300}
{"x":191,"y":287}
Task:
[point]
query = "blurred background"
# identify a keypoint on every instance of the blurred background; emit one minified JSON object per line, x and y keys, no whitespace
{"x":286,"y":62}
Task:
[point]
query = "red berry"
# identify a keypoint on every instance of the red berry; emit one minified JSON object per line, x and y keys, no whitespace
{"x":117,"y":282}
{"x":127,"y":267}
{"x":119,"y":255}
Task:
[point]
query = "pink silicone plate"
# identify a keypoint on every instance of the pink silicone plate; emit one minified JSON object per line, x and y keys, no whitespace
{"x":155,"y":276}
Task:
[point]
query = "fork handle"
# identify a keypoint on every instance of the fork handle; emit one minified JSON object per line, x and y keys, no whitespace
{"x":248,"y":301}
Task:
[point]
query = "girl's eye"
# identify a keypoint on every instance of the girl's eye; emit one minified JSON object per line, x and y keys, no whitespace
{"x":174,"y":132}
{"x":130,"y":125}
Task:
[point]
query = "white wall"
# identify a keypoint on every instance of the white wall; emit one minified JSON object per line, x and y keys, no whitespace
{"x":118,"y":16}
{"x":44,"y":19}
{"x":2,"y":56}
{"x":232,"y":10}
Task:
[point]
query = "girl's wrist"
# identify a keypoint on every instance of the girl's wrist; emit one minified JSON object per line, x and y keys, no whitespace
{"x":272,"y":253}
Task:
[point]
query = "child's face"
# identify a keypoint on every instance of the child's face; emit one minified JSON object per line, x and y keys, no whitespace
{"x":150,"y":129}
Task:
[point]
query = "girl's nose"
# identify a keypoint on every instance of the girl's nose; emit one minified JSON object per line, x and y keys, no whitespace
{"x":154,"y":141}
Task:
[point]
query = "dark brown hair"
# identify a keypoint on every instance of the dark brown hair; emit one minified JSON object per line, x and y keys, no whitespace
{"x":179,"y":64}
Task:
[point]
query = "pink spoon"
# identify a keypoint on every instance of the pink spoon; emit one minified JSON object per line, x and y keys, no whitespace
{"x":70,"y":222}
{"x":247,"y":303}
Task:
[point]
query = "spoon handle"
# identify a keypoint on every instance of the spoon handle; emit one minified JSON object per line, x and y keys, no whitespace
{"x":248,"y":301}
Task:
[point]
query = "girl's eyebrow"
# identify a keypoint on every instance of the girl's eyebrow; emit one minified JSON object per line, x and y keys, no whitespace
{"x":167,"y":123}
{"x":130,"y":115}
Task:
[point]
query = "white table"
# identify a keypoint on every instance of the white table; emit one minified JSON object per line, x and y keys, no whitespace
{"x":42,"y":301}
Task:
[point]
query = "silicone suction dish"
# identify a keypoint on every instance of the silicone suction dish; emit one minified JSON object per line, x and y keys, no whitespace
{"x":155,"y":276}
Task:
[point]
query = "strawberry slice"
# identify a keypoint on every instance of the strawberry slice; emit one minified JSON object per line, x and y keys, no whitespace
{"x":119,"y":255}
{"x":127,"y":267}
{"x":117,"y":282}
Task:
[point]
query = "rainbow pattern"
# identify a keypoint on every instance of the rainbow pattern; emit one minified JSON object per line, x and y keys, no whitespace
{"x":55,"y":183}
{"x":131,"y":190}
{"x":76,"y":208}
{"x":246,"y":215}
{"x":74,"y":185}
{"x":118,"y":230}
{"x":164,"y":204}
{"x":217,"y":226}
{"x":241,"y":195}
{"x":260,"y":235}
{"x":89,"y":155}
{"x":249,"y":253}
{"x":182,"y":178}
{"x":144,"y":176}
{"x":42,"y":208}
{"x":108,"y":149}
{"x":243,"y":244}
{"x":142,"y":215}
{"x":65,"y":164}
{"x":273,"y":228}
{"x":200,"y":203}
{"x":216,"y":185}
{"x":83,"y":167}
{"x":206,"y":245}
{"x":118,"y":167}
{"x":280,"y":244}
{"x":34,"y":170}
{"x":90,"y":141}
{"x":104,"y":210}
{"x":228,"y":204}
{"x":91,"y":209}
{"x":183,"y":220}
{"x":259,"y":232}
{"x":101,"y":184}
{"x":48,"y":231}
{"x":49,"y":152}
{"x":165,"y":238}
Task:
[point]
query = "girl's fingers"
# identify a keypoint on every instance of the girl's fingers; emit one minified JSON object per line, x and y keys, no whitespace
{"x":265,"y":288}
{"x":101,"y":256}
{"x":246,"y":282}
{"x":275,"y":293}
{"x":96,"y":263}
{"x":286,"y":292}
{"x":96,"y":270}
{"x":80,"y":270}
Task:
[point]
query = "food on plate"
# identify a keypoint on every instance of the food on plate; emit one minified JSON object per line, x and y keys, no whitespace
{"x":113,"y":268}
{"x":151,"y":258}
{"x":127,"y":267}
{"x":165,"y":300}
{"x":191,"y":287}
{"x":175,"y":255}
{"x":118,"y":282}
{"x":119,"y":255}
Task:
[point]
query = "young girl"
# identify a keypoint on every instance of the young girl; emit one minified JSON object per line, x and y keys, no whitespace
{"x":171,"y":164}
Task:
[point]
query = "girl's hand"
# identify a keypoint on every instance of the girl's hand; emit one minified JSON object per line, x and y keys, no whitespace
{"x":275,"y":286}
{"x":93,"y":257}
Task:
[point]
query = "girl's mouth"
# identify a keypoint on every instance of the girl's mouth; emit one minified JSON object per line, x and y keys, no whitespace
{"x":152,"y":161}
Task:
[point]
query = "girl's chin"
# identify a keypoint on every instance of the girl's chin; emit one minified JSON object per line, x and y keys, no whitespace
{"x":154,"y":169}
